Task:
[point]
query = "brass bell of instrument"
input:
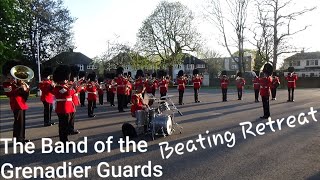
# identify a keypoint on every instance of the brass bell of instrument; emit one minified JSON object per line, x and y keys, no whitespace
{"x":21,"y":72}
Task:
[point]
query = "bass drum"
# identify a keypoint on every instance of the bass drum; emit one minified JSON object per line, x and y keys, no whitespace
{"x":163,"y":124}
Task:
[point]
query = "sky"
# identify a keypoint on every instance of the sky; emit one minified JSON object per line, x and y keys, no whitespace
{"x":100,"y":21}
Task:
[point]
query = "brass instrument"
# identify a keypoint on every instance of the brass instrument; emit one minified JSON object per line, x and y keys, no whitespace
{"x":22,"y":74}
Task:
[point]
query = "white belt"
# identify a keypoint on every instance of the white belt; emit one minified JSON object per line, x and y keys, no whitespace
{"x":76,"y":94}
{"x":196,"y":82}
{"x":121,"y":85}
{"x":93,"y":92}
{"x":265,"y":87}
{"x":67,"y":99}
{"x":181,"y":84}
{"x":162,"y":86}
{"x":256,"y":83}
{"x":224,"y":83}
{"x":290,"y":81}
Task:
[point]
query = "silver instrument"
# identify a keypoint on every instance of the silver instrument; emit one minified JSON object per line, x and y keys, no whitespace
{"x":163,"y":124}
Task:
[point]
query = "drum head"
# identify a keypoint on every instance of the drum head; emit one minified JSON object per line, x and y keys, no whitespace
{"x":169,"y":126}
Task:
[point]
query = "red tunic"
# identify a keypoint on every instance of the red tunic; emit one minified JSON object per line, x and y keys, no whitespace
{"x":138,"y":82}
{"x":137,"y":103}
{"x":149,"y":86}
{"x":46,"y":91}
{"x":163,"y":86}
{"x":196,"y":82}
{"x":129,"y":88}
{"x":240,"y":83}
{"x":256,"y":83}
{"x":16,"y":96}
{"x":224,"y":82}
{"x":155,"y":84}
{"x":64,"y":103}
{"x":292,"y":80}
{"x":75,"y":96}
{"x":101,"y":89}
{"x":92,"y":91}
{"x":121,"y":85}
{"x":181,"y":84}
{"x":275,"y":82}
{"x":265,"y":84}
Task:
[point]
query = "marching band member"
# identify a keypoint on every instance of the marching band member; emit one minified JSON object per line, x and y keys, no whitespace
{"x":155,"y":83}
{"x":139,"y":81}
{"x":128,"y":92}
{"x":82,"y":82}
{"x":224,"y":82}
{"x":240,"y":82}
{"x":137,"y":101}
{"x":291,"y":78}
{"x":121,"y":84}
{"x":74,"y":85}
{"x":148,"y":84}
{"x":265,"y":84}
{"x":111,"y":89}
{"x":163,"y":83}
{"x":101,"y":90}
{"x":92,"y":93}
{"x":182,"y":81}
{"x":64,"y":105}
{"x":256,"y":86}
{"x":274,"y":86}
{"x":17,"y":93}
{"x":197,"y":81}
{"x":47,"y":97}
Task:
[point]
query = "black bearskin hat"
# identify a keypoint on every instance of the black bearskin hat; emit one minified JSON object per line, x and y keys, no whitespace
{"x":257,"y":73}
{"x":74,"y":72}
{"x":154,"y":74}
{"x":139,"y":73}
{"x":46,"y":72}
{"x":120,"y":70}
{"x":100,"y":79}
{"x":239,"y":74}
{"x":61,"y":73}
{"x":224,"y":73}
{"x":180,"y":73}
{"x":195,"y":72}
{"x":92,"y":76}
{"x":129,"y":73}
{"x":82,"y":74}
{"x":268,"y":69}
{"x":161,"y":73}
{"x":274,"y":73}
{"x":291,"y":69}
{"x":6,"y":67}
{"x":112,"y":75}
{"x":107,"y":75}
{"x":147,"y":74}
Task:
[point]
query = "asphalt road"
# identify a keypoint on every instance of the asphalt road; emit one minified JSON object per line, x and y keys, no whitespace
{"x":289,"y":153}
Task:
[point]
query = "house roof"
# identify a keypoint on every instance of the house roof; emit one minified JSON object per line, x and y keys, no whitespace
{"x":189,"y":59}
{"x":304,"y":55}
{"x":69,"y":58}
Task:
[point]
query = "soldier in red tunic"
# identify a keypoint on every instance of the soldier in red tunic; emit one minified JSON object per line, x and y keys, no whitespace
{"x":64,"y":104}
{"x":224,"y":82}
{"x":74,"y":85}
{"x":46,"y":87}
{"x":197,"y":81}
{"x":137,"y":101}
{"x":17,"y":93}
{"x":139,"y":81}
{"x":155,"y":84}
{"x":148,"y":84}
{"x":181,"y":81}
{"x":82,"y":83}
{"x":240,"y":82}
{"x":92,"y":87}
{"x":256,"y":85}
{"x":291,"y":78}
{"x":275,"y":84}
{"x":163,"y":83}
{"x":121,"y":84}
{"x":101,"y":89}
{"x":265,"y":84}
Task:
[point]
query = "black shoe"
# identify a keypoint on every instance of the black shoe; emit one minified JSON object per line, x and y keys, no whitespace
{"x":288,"y":100}
{"x":113,"y":105}
{"x":91,"y":115}
{"x":49,"y":124}
{"x":74,"y":132}
{"x":264,"y":117}
{"x":122,"y":111}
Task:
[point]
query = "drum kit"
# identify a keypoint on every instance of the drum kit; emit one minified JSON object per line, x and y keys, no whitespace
{"x":159,"y":118}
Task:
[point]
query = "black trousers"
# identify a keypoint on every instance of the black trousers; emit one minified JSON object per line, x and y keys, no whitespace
{"x":290,"y":94}
{"x":256,"y":94}
{"x":153,"y":92}
{"x":19,"y":125}
{"x":94,"y":104}
{"x":239,"y":93}
{"x":47,"y":111}
{"x":82,"y":98}
{"x":64,"y":126}
{"x":121,"y":101}
{"x":181,"y":92}
{"x":111,"y":98}
{"x":266,"y":106}
{"x":196,"y":95}
{"x":163,"y":94}
{"x":108,"y":96}
{"x":71,"y":122}
{"x":224,"y":94}
{"x":273,"y":92}
{"x":101,"y":99}
{"x":90,"y":107}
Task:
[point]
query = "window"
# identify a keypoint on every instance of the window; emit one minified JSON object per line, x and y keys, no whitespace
{"x":91,"y":67}
{"x":295,"y":63}
{"x":312,"y":63}
{"x":81,"y":67}
{"x":178,"y":66}
{"x":234,"y":66}
{"x":190,"y":66}
{"x":201,"y":66}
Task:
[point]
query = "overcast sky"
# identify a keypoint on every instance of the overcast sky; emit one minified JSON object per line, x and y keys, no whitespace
{"x":101,"y":20}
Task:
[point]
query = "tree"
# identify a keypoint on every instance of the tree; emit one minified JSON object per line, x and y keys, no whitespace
{"x":213,"y":60}
{"x":238,"y":11}
{"x":168,"y":32}
{"x":279,"y":16}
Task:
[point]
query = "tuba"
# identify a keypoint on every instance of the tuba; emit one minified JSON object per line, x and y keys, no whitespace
{"x":23,"y":74}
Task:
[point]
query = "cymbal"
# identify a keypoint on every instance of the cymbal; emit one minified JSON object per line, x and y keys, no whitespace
{"x":167,"y":96}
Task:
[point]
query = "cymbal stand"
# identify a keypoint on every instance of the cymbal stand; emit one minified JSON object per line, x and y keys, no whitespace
{"x":174,"y":108}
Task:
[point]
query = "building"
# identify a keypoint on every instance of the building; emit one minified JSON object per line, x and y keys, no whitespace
{"x":230,"y":65}
{"x":189,"y":63}
{"x":306,"y":64}
{"x":71,"y":58}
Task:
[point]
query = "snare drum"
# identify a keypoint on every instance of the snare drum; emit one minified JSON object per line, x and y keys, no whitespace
{"x":142,"y":118}
{"x":164,"y":107}
{"x":163,"y":124}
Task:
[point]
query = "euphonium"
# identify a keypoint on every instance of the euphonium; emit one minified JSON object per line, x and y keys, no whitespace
{"x":22,"y":74}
